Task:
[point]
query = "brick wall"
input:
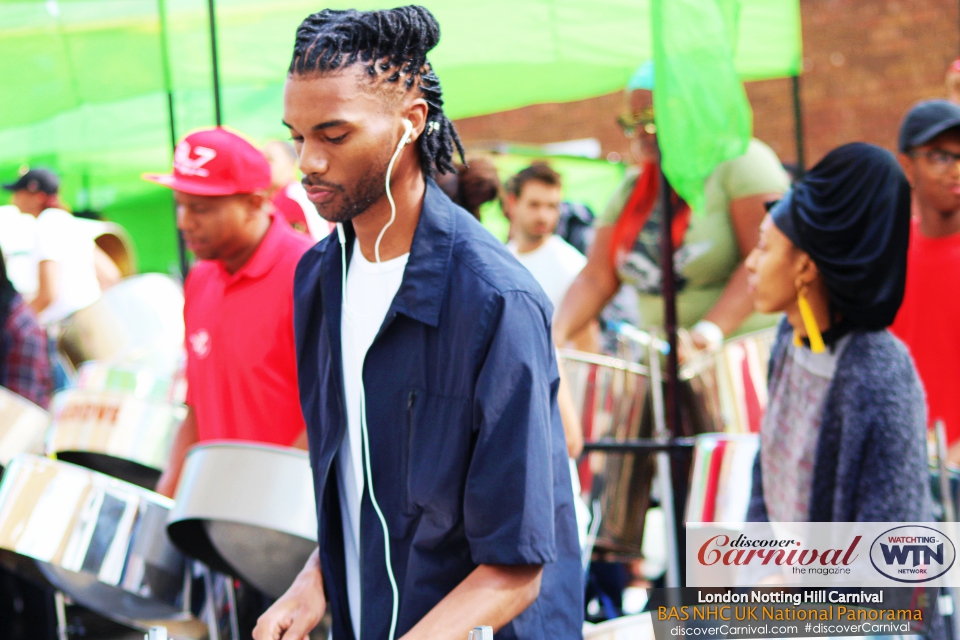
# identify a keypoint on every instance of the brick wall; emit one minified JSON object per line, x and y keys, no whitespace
{"x":865,"y":63}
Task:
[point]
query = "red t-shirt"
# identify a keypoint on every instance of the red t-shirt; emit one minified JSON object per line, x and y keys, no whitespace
{"x":241,"y":360}
{"x":929,"y":323}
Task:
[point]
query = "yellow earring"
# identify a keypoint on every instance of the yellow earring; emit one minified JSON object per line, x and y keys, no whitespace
{"x":810,"y":324}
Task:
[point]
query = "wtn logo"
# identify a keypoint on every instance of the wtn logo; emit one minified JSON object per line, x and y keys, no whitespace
{"x":912,"y":553}
{"x":899,"y":554}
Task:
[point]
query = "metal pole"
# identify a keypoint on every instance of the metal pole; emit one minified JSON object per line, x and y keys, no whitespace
{"x":63,"y":628}
{"x":172,"y":121}
{"x":798,"y":125}
{"x":664,"y":476}
{"x":949,"y":509}
{"x":672,"y":408}
{"x":181,"y":244}
{"x":212,"y":12}
{"x":676,"y":473}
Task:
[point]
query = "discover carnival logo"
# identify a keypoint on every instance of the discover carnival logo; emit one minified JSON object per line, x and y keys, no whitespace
{"x":820,"y":554}
{"x":912,"y":554}
{"x":743,"y":551}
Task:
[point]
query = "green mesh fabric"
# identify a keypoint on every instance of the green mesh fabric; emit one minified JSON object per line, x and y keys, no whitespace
{"x":87,"y":81}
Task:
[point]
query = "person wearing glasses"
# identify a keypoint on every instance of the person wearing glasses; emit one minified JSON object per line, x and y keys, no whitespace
{"x":711,"y":245}
{"x":929,"y":145}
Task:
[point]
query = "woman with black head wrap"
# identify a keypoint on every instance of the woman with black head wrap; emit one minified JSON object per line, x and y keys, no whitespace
{"x":844,"y":436}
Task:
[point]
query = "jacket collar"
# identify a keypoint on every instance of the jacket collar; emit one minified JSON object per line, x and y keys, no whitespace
{"x":424,"y":280}
{"x":423,"y":287}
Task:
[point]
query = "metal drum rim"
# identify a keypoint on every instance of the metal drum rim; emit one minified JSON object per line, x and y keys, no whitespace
{"x":572,"y":355}
{"x":249,"y":444}
{"x":706,"y":360}
{"x":153,"y":496}
{"x":114,"y":393}
{"x":16,"y":397}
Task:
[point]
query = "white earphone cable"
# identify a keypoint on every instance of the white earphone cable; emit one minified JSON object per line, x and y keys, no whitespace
{"x":393,"y":205}
{"x":364,"y":433}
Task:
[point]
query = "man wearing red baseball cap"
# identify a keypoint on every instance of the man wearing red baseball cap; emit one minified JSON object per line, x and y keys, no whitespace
{"x":238,"y":311}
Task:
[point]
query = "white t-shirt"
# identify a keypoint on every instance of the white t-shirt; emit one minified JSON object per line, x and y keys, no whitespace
{"x":555,"y":265}
{"x":69,"y":242}
{"x":370,"y":291}
{"x":18,"y":234}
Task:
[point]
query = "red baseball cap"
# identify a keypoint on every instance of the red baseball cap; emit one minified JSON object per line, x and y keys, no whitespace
{"x":215,"y":162}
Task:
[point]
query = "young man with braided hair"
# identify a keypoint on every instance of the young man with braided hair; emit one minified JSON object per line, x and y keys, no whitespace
{"x":428,"y":379}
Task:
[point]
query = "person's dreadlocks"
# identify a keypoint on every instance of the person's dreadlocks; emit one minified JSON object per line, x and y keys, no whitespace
{"x":393,"y":43}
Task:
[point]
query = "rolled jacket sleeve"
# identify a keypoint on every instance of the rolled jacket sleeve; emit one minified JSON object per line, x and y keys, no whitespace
{"x":509,"y":495}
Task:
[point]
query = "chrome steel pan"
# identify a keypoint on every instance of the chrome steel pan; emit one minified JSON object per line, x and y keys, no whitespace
{"x":731,"y":384}
{"x":22,"y":426}
{"x":612,"y":397}
{"x":135,"y":380}
{"x":114,"y":433}
{"x":722,"y":477}
{"x":100,"y":540}
{"x":139,"y":320}
{"x":247,"y":510}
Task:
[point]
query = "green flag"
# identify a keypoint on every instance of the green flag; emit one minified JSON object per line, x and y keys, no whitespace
{"x":701,"y":109}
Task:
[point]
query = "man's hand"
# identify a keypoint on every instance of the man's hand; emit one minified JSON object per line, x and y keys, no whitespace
{"x":299,"y":610}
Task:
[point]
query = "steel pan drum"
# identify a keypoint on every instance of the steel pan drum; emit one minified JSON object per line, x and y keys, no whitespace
{"x":722,"y":477}
{"x":613,"y":398}
{"x":731,"y":384}
{"x":22,"y":426}
{"x":139,"y":320}
{"x":247,"y":510}
{"x":100,"y":540}
{"x":953,"y":479}
{"x":142,"y":382}
{"x":114,"y":241}
{"x":114,"y":433}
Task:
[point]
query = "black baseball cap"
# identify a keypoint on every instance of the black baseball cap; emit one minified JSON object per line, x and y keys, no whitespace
{"x":925,"y":121}
{"x":36,"y":180}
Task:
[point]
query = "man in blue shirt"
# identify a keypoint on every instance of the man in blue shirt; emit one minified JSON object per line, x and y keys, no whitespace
{"x":427,"y":375}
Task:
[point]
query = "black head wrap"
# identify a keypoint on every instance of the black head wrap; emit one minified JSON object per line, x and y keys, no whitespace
{"x":851,"y":214}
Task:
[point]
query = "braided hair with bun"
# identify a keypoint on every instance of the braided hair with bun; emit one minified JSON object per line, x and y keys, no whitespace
{"x":393,"y":44}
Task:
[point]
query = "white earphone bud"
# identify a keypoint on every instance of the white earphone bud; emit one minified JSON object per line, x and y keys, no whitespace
{"x":407,"y":133}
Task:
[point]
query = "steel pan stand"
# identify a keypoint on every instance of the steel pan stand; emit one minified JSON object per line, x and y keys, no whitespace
{"x":949,"y":513}
{"x":663,"y":444}
{"x":60,"y":606}
{"x":221,"y":604}
{"x":157,"y":633}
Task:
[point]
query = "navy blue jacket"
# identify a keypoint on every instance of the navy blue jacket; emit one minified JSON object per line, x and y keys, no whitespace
{"x":467,"y":448}
{"x":871,"y":458}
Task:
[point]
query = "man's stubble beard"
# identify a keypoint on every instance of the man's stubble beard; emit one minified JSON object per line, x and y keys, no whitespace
{"x":368,"y":189}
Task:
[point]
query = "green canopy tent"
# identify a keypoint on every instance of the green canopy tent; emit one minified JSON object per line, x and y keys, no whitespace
{"x":88,"y":81}
{"x":97,"y":88}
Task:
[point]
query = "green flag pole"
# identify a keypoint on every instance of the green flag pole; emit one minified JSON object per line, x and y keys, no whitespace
{"x":798,"y":125}
{"x":212,"y":15}
{"x":172,"y":121}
